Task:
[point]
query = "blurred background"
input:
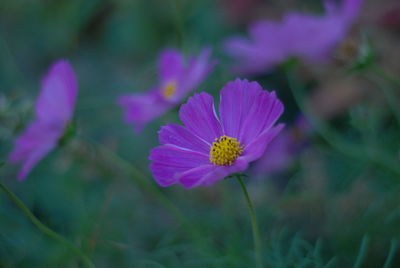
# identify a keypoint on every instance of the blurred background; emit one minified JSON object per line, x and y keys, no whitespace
{"x":333,"y":201}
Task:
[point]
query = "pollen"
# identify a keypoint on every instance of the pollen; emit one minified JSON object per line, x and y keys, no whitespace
{"x":225,"y":150}
{"x":169,"y":89}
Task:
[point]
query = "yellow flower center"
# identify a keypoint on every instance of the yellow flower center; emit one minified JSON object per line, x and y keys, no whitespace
{"x":225,"y":150}
{"x":169,"y":89}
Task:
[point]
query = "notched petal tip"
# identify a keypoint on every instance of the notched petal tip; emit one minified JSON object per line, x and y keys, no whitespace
{"x":193,"y":100}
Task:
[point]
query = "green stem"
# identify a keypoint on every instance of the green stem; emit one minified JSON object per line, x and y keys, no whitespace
{"x":46,"y":230}
{"x":254,"y":225}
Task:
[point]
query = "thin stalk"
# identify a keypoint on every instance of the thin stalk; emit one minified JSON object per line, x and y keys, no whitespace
{"x":46,"y":230}
{"x":254,"y":224}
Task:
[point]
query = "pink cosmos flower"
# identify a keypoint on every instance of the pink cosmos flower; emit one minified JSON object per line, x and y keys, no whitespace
{"x":176,"y":79}
{"x":54,"y":108}
{"x":207,"y":148}
{"x":307,"y":37}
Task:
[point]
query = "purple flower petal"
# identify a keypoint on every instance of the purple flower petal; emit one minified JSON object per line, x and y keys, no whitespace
{"x":33,"y":144}
{"x":264,"y":113}
{"x":269,"y":34}
{"x":308,"y":37}
{"x":57,"y":97}
{"x":248,"y":110}
{"x":199,"y":117}
{"x":164,"y":174}
{"x":326,"y":32}
{"x":170,"y":65}
{"x":198,"y":68}
{"x":140,"y":109}
{"x":241,"y":48}
{"x":193,"y":177}
{"x":209,"y":174}
{"x":181,"y":137}
{"x":168,"y":160}
{"x":258,"y":29}
{"x":256,"y":148}
{"x":351,"y":10}
{"x":236,"y":100}
{"x":54,"y":108}
{"x":222,"y":172}
{"x":250,"y":57}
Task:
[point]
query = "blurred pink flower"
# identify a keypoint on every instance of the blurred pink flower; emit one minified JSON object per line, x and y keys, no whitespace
{"x":176,"y":79}
{"x":307,"y":37}
{"x":54,"y":109}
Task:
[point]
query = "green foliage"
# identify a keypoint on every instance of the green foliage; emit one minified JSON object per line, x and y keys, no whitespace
{"x":341,"y":193}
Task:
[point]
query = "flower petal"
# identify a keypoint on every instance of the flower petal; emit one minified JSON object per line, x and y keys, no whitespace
{"x":193,"y":177}
{"x":247,"y":110}
{"x":58,"y":93}
{"x":261,"y":52}
{"x":257,"y":147}
{"x":236,"y":100}
{"x":34,"y":143}
{"x":168,"y":160}
{"x":266,"y":32}
{"x":223,"y":171}
{"x":325,"y":32}
{"x":264,"y":112}
{"x":33,"y":158}
{"x":181,"y":137}
{"x":309,"y":37}
{"x":199,"y":117}
{"x":209,"y":174}
{"x":250,"y":58}
{"x":198,"y":68}
{"x":170,"y":65}
{"x":140,"y":109}
{"x":351,"y":9}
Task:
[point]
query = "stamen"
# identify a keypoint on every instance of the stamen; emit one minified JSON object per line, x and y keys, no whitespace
{"x":225,"y":150}
{"x":169,"y":89}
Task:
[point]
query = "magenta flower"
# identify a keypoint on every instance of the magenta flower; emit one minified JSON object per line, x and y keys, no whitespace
{"x":176,"y":79}
{"x":54,"y":108}
{"x":307,"y":37}
{"x":209,"y":148}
